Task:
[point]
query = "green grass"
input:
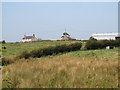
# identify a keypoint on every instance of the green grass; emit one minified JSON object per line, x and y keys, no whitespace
{"x":100,"y":53}
{"x":77,"y":69}
{"x":15,"y":49}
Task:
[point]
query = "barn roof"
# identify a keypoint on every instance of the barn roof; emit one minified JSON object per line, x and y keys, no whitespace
{"x":106,"y":34}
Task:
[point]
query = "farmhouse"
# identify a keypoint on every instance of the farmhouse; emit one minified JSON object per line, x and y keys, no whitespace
{"x":106,"y":36}
{"x":29,"y":38}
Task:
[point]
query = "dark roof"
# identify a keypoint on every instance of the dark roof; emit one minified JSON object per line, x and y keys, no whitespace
{"x":28,"y":37}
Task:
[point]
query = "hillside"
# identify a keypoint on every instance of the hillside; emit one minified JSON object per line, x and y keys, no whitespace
{"x":77,"y":69}
{"x":14,"y":49}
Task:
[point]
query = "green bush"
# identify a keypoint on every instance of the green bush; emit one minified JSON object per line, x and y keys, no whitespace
{"x":7,"y":83}
{"x":99,"y":44}
{"x":115,"y":43}
{"x":92,"y":44}
{"x":6,"y":61}
{"x":51,"y":50}
{"x":25,"y":55}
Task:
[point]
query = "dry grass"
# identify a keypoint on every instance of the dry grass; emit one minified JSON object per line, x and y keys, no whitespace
{"x":63,"y":72}
{"x":0,"y":77}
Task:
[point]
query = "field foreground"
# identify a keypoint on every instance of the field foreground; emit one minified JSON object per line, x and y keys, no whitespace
{"x":78,"y":69}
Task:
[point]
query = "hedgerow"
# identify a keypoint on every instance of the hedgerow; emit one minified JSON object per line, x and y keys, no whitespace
{"x":99,"y":44}
{"x":51,"y":50}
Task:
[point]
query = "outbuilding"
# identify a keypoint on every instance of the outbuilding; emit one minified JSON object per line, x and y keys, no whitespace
{"x":106,"y":36}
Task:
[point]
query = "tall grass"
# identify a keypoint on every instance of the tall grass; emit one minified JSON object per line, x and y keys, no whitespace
{"x":63,"y":72}
{"x":76,"y":69}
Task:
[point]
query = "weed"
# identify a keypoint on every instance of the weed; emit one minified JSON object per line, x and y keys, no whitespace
{"x":7,"y":83}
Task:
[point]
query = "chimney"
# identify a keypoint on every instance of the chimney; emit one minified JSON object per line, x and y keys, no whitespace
{"x":33,"y":35}
{"x":24,"y":36}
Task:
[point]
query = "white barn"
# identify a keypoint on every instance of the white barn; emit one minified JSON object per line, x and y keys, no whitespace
{"x":29,"y":38}
{"x":105,"y":36}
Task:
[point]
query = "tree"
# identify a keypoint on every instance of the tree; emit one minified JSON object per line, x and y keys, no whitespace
{"x":3,"y":41}
{"x":65,"y":35}
{"x":92,"y":38}
{"x":39,"y":39}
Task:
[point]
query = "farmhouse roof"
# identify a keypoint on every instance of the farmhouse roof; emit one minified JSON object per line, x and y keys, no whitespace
{"x":28,"y":37}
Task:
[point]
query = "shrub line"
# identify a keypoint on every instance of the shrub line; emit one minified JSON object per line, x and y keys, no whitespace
{"x":51,"y":50}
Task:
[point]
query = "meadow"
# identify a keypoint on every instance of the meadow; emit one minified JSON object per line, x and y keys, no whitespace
{"x":76,"y":69}
{"x":15,"y":49}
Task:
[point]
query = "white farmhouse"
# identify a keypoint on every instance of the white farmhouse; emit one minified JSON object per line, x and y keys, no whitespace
{"x":106,"y":36}
{"x":29,"y":38}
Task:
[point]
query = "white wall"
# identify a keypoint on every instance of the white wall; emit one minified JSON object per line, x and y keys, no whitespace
{"x":103,"y":36}
{"x":29,"y":40}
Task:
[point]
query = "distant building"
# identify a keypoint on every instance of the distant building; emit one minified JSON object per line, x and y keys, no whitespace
{"x":29,"y":38}
{"x":66,"y":36}
{"x":117,"y":38}
{"x":106,"y":36}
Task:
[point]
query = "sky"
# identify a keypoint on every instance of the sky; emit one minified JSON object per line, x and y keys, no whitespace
{"x":48,"y":20}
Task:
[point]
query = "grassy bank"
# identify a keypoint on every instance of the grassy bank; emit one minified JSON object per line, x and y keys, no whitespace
{"x":100,"y":53}
{"x":78,"y":69}
{"x":15,"y":49}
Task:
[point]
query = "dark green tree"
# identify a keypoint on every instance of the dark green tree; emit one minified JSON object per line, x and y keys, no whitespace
{"x":65,"y":34}
{"x":92,"y":38}
{"x":3,"y":41}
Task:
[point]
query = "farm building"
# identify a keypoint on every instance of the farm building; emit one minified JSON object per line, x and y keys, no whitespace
{"x":117,"y":38}
{"x":106,"y":36}
{"x":66,"y":36}
{"x":29,"y":38}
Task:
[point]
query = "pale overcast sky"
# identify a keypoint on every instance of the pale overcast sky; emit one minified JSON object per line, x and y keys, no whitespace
{"x":48,"y":20}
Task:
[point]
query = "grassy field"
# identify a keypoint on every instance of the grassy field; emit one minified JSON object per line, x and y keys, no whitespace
{"x":14,"y":49}
{"x":77,"y":69}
